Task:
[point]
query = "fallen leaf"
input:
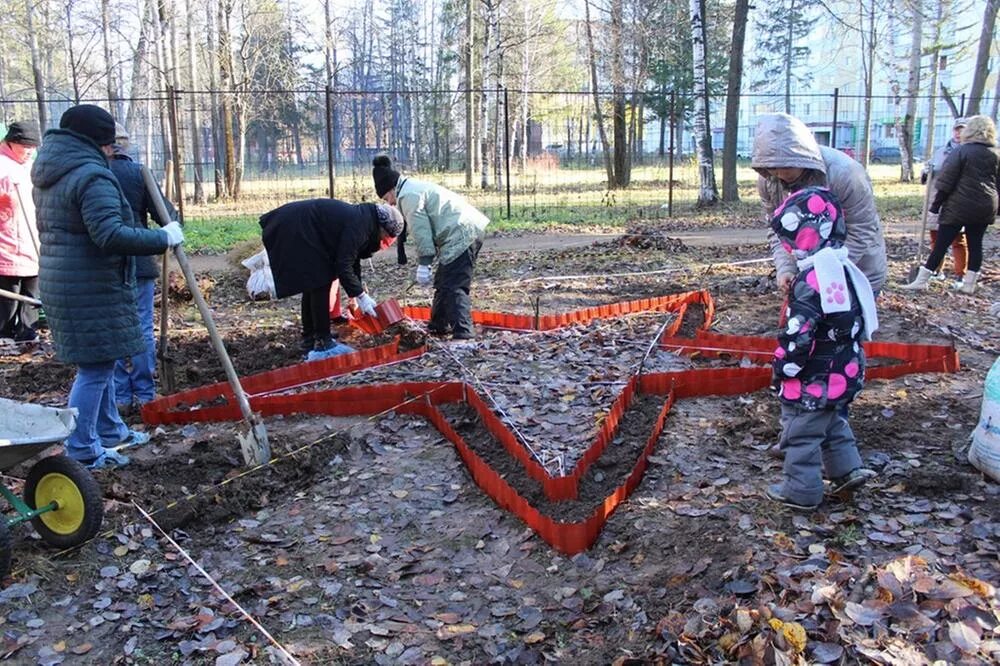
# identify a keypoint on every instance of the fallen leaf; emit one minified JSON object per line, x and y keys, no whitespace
{"x":82,"y":648}
{"x":862,"y":615}
{"x":450,"y":631}
{"x":826,"y":653}
{"x":964,"y":637}
{"x":795,"y":634}
{"x":534,"y":637}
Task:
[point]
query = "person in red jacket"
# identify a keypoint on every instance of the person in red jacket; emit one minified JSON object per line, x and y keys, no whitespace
{"x":18,"y":233}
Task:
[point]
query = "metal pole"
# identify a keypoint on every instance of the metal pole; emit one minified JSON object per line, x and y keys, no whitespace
{"x":670,"y":158}
{"x":961,"y":108}
{"x":506,"y":143}
{"x":178,"y":172}
{"x":331,"y":174}
{"x":833,"y":130}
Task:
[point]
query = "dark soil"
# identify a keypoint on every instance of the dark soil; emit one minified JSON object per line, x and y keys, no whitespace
{"x":600,"y":480}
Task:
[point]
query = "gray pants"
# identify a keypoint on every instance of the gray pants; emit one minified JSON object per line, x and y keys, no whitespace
{"x":814,"y":442}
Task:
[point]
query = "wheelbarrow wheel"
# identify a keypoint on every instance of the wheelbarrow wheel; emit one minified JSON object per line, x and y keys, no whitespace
{"x":79,"y":507}
{"x":6,"y":546}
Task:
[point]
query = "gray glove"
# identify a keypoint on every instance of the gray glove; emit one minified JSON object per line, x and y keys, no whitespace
{"x":367,"y":304}
{"x":175,"y":234}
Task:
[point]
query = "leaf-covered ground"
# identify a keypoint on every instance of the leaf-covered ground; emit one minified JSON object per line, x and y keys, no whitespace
{"x":367,"y":542}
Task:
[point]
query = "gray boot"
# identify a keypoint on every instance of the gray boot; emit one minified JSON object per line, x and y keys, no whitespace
{"x":969,"y":282}
{"x":922,"y":281}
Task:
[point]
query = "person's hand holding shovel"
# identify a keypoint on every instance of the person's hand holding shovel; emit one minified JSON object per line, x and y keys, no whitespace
{"x":174,"y":232}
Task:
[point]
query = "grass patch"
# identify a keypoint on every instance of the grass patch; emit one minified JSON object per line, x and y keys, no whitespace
{"x":540,"y":200}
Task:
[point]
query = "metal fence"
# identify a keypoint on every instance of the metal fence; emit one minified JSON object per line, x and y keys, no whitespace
{"x":533,"y":154}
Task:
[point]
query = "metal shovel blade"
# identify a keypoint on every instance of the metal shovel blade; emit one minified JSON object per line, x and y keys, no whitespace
{"x":254,"y":445}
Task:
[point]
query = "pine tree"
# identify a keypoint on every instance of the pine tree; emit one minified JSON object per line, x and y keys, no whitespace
{"x":782,"y":28}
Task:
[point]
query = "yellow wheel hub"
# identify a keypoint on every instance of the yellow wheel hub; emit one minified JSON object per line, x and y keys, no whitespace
{"x":67,"y":517}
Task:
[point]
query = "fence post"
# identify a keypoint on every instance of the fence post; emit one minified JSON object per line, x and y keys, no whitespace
{"x":670,"y":157}
{"x":833,"y":130}
{"x":175,"y":139}
{"x":506,"y":144}
{"x":331,"y":173}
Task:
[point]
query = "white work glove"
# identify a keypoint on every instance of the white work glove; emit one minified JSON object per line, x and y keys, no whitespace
{"x":175,"y":234}
{"x":366,"y":304}
{"x":423,"y":275}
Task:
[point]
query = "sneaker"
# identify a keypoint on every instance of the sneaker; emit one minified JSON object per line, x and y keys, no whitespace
{"x":851,"y":481}
{"x":132,"y":439}
{"x":774,"y":493}
{"x":110,"y":459}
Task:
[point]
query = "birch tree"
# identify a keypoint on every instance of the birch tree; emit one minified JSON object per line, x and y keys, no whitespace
{"x":707,"y":191}
{"x":982,"y":68}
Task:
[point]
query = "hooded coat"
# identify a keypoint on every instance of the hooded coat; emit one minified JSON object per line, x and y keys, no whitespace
{"x":783,"y":141}
{"x":88,"y":237}
{"x":312,"y":243}
{"x":967,"y":186}
{"x":18,"y":232}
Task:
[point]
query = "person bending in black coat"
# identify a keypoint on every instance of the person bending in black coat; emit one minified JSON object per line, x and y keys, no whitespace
{"x":314,"y":242}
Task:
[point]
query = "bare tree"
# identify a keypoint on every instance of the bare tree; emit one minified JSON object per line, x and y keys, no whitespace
{"x":598,"y":113}
{"x":730,"y":188}
{"x":707,"y":193}
{"x":916,"y":12}
{"x":195,"y":119}
{"x":36,"y":65}
{"x":982,"y":69}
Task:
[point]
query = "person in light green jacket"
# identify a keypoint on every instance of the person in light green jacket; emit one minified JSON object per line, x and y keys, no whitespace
{"x":444,"y":226}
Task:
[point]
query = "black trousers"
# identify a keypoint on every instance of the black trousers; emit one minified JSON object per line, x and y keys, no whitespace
{"x":452,"y":305}
{"x":946,"y":235}
{"x":316,"y":313}
{"x":15,"y":316}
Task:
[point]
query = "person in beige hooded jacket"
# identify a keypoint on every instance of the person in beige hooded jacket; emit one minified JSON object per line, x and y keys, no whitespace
{"x":787,"y":159}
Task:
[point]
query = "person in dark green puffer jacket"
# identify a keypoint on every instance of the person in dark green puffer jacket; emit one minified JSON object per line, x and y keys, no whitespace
{"x":87,"y":274}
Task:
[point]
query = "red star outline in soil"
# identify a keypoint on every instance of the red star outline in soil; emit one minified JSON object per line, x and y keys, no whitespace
{"x":215,"y":402}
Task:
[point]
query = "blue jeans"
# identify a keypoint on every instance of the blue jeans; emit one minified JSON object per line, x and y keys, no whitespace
{"x":93,"y":396}
{"x":134,"y":376}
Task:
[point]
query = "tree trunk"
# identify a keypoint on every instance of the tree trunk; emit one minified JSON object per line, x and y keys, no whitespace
{"x":36,"y":66}
{"x":933,"y":86}
{"x":598,"y":114}
{"x":484,"y":128}
{"x":789,"y":62}
{"x":71,"y":54}
{"x":868,"y":60}
{"x":216,"y":111}
{"x":227,"y":110}
{"x":621,"y":153}
{"x":730,"y":188}
{"x":912,"y":90}
{"x":108,"y":61}
{"x":707,"y":192}
{"x":195,"y":119}
{"x":470,"y":138}
{"x":983,"y":57}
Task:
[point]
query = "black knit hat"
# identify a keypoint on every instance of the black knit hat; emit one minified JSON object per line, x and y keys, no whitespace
{"x":24,"y":132}
{"x":91,"y":121}
{"x":383,"y":174}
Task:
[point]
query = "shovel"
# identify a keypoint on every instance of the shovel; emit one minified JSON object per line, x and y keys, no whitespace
{"x":254,"y":445}
{"x":918,"y":259}
{"x":168,"y":376}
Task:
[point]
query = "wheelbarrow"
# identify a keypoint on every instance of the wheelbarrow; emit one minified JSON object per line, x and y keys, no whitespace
{"x":61,"y":499}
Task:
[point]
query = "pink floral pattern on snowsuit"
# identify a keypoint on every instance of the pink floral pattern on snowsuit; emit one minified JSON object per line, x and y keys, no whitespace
{"x":819,"y":362}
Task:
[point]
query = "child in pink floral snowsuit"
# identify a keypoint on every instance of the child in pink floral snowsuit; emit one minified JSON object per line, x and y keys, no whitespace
{"x":819,"y":365}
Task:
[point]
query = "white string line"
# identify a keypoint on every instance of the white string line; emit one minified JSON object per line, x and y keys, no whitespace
{"x":250,"y":618}
{"x":663,"y":271}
